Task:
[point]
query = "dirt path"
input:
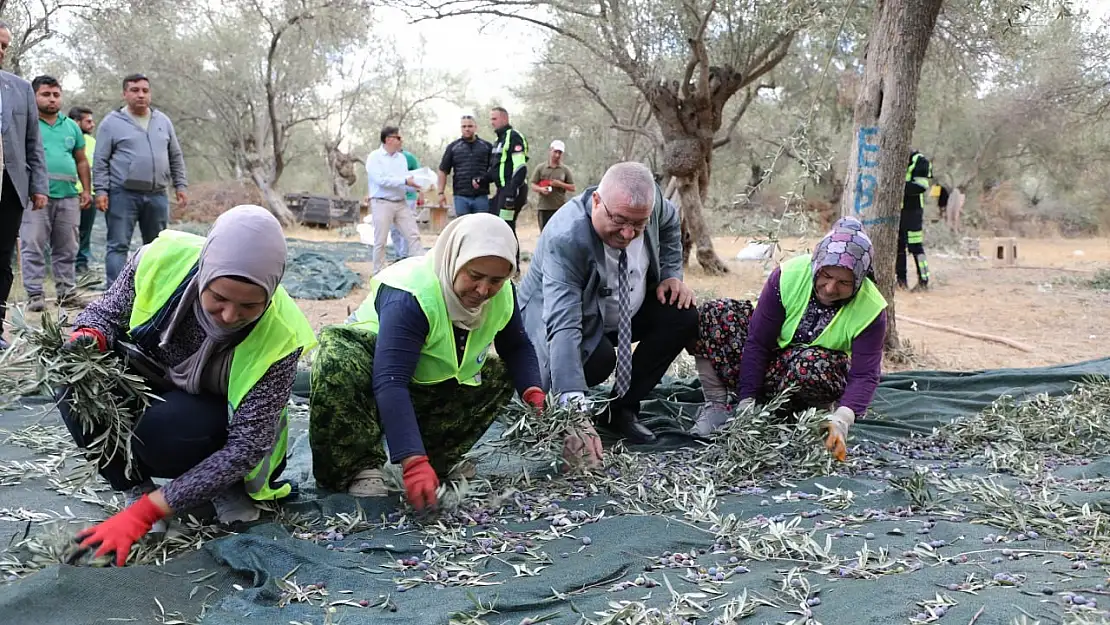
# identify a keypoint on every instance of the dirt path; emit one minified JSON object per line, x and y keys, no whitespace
{"x":1044,"y":302}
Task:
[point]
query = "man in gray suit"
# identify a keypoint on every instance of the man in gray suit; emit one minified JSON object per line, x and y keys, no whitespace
{"x":24,"y":166}
{"x":608,"y":271}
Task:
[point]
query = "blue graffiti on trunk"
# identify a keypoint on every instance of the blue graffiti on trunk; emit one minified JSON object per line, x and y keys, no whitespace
{"x":867,"y":180}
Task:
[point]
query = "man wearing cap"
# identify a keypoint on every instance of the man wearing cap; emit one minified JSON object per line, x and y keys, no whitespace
{"x":552,"y":181}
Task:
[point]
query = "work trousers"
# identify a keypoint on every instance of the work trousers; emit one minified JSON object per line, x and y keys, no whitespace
{"x":54,"y":227}
{"x":911,"y":236}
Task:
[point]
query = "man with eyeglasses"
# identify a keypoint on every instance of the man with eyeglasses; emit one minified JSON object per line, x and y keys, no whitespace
{"x":607,"y":271}
{"x":387,"y":174}
{"x":467,"y":158}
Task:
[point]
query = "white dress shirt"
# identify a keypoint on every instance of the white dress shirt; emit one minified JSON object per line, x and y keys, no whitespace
{"x":386,"y":174}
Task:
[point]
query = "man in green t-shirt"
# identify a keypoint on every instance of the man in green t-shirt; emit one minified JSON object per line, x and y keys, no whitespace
{"x":413,"y":198}
{"x":55,"y":226}
{"x":85,"y":120}
{"x":551,"y":181}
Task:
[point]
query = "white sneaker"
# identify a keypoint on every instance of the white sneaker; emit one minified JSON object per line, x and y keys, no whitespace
{"x":136,"y":493}
{"x":234,"y":505}
{"x":711,"y":415}
{"x":368,"y":483}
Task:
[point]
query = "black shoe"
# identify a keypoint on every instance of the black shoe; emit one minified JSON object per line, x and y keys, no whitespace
{"x":902,"y":286}
{"x":920,"y":286}
{"x":624,"y":422}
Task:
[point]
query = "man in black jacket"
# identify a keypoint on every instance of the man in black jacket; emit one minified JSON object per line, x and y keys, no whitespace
{"x":508,"y":168}
{"x":468,"y":158}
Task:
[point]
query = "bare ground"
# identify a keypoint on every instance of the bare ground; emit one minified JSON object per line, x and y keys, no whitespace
{"x":1045,"y":301}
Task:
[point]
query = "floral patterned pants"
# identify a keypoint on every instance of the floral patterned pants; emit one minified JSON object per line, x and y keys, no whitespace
{"x":818,"y":375}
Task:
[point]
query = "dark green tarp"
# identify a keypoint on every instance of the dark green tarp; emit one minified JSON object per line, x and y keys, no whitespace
{"x":243,"y":567}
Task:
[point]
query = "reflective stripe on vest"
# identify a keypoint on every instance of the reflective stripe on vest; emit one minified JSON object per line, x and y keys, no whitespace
{"x":519,"y":159}
{"x":919,"y":181}
{"x":796,"y":289}
{"x":280,"y":331}
{"x":62,"y":177}
{"x":439,"y":359}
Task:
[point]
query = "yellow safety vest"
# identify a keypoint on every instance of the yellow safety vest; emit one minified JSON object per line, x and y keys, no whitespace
{"x":439,"y":357}
{"x":280,"y":331}
{"x":796,"y":289}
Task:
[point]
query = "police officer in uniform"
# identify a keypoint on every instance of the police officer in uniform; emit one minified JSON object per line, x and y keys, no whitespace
{"x":912,"y":223}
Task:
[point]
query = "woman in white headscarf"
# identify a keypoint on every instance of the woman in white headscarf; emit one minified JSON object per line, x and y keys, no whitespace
{"x":413,"y":363}
{"x":207,"y":323}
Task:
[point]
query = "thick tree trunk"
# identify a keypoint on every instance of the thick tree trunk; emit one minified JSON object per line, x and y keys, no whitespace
{"x":274,"y":201}
{"x":694,"y":229}
{"x":883,"y":127}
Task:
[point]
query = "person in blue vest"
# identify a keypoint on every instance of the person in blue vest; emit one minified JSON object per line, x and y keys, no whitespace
{"x":413,"y":366}
{"x":208,"y":325}
{"x":819,"y":328}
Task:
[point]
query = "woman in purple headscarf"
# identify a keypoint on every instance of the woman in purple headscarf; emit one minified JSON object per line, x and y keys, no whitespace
{"x":819,"y":328}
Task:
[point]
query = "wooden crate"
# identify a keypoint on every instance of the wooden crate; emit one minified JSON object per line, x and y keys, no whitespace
{"x":322,"y":209}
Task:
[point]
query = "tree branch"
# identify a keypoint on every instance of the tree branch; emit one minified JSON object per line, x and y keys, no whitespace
{"x":749,"y":95}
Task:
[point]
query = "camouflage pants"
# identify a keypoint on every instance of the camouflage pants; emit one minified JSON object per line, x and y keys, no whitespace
{"x":345,"y":432}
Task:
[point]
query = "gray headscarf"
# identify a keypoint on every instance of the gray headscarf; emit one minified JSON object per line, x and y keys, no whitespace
{"x":245,"y":242}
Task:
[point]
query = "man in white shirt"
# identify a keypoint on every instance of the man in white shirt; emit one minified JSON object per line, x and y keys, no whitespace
{"x":608,"y":272}
{"x":387,"y":172}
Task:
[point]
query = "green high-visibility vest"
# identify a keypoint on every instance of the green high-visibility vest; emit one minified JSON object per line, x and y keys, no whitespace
{"x":280,"y":331}
{"x":439,"y":357}
{"x":796,"y":288}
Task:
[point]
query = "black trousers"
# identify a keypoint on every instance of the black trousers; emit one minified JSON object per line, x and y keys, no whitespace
{"x":911,"y":226}
{"x":662,"y":331}
{"x":171,"y":437}
{"x":498,"y":205}
{"x":544,"y":216}
{"x":11,"y":215}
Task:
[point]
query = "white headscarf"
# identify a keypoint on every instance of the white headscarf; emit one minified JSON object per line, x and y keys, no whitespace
{"x":245,"y":242}
{"x":463,"y":240}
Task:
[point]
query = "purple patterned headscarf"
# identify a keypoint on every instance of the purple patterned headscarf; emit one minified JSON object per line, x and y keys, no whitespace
{"x":848,"y":246}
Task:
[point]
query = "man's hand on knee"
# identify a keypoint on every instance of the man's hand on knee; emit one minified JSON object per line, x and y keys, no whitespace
{"x":675,"y":292}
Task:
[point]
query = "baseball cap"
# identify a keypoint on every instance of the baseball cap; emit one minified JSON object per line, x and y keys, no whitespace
{"x":558,"y":145}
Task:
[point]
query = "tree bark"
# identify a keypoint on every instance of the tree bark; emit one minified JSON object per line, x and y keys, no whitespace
{"x":883,"y":126}
{"x":274,"y":201}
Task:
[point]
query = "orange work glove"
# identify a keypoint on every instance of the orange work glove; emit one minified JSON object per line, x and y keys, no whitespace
{"x":836,"y":426}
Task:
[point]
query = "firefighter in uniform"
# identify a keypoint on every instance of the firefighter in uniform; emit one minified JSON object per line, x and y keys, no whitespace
{"x":911,"y":225}
{"x":508,"y":169}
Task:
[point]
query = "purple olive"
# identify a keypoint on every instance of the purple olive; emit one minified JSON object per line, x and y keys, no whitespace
{"x":586,"y":540}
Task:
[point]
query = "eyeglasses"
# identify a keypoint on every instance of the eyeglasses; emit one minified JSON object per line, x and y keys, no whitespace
{"x":620,"y":221}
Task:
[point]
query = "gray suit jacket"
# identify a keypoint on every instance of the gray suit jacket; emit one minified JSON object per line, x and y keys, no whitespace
{"x":560,"y":296}
{"x":24,"y":160}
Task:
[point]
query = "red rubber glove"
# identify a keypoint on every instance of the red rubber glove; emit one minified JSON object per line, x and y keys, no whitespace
{"x":118,"y":533}
{"x":82,"y":335}
{"x":535,"y":397}
{"x":420,"y":482}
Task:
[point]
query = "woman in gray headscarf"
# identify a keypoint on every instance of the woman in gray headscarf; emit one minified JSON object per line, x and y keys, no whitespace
{"x":207,"y":323}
